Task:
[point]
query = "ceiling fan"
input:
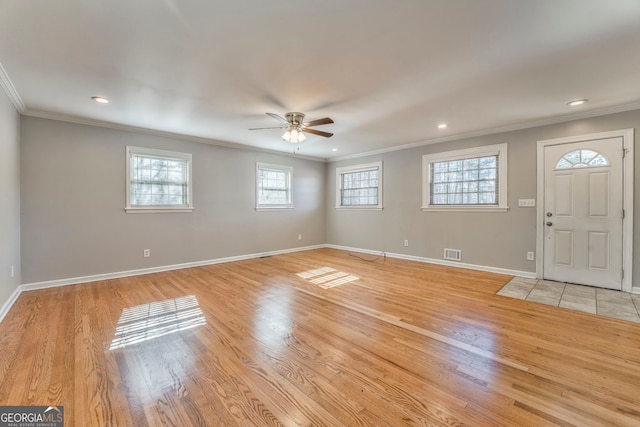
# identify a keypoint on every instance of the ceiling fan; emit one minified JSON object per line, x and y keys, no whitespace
{"x":296,"y":127}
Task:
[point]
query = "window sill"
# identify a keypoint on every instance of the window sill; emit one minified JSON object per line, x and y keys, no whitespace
{"x":158,"y":210}
{"x":359,"y":208}
{"x":465,"y":209}
{"x":274,"y":208}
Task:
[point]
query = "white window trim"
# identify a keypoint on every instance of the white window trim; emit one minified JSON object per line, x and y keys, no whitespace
{"x":359,"y":168}
{"x":487,"y":150}
{"x":156,"y":153}
{"x":264,"y":207}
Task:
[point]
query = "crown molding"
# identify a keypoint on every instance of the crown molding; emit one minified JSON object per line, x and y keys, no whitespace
{"x":128,"y":128}
{"x":10,"y":90}
{"x":4,"y":79}
{"x":12,"y":94}
{"x":491,"y":131}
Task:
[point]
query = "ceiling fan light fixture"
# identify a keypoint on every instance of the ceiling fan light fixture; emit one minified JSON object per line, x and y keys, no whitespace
{"x":295,"y":126}
{"x":294,"y":135}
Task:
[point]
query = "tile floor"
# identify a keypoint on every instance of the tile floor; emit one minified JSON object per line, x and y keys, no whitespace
{"x":604,"y":302}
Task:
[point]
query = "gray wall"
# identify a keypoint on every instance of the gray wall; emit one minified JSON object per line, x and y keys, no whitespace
{"x":73,"y":222}
{"x":488,"y":239}
{"x":9,"y":198}
{"x":73,"y":198}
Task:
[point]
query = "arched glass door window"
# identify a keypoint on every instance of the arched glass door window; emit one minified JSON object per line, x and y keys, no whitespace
{"x":582,"y":159}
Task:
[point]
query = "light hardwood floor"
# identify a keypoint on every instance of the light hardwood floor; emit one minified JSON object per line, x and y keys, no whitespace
{"x":261,"y":343}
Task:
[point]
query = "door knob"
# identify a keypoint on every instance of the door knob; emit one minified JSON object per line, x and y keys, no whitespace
{"x":549,"y":223}
{"x":549,"y":214}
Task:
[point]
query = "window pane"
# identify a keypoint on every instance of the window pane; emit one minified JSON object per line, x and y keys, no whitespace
{"x":455,"y":165}
{"x":486,"y":186}
{"x":156,"y":181}
{"x":471,"y":164}
{"x":274,"y":186}
{"x":360,"y":188}
{"x":487,"y":174}
{"x":470,"y":198}
{"x":573,"y":157}
{"x":439,"y":177}
{"x":587,"y":155}
{"x":598,"y":160}
{"x":439,"y":167}
{"x":488,"y":162}
{"x":581,"y":159}
{"x":471,"y":181}
{"x":470,"y":187}
{"x":471,"y":175}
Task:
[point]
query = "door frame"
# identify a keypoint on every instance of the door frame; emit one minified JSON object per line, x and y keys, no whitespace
{"x":627,"y":136}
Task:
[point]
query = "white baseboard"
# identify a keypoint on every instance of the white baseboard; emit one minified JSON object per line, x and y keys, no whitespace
{"x":138,"y":272}
{"x":527,"y":274}
{"x":128,"y":273}
{"x":7,"y":305}
{"x":98,"y":277}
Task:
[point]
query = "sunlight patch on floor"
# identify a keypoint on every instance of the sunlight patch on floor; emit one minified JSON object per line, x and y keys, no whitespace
{"x":327,"y":277}
{"x":156,"y":319}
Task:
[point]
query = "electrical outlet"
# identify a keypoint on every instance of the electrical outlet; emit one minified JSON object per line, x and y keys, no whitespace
{"x":146,"y":253}
{"x":299,"y":236}
{"x":406,"y":243}
{"x":531,"y":256}
{"x":13,"y":272}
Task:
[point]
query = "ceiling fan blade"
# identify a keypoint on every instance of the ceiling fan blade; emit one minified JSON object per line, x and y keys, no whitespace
{"x":318,"y":132}
{"x":276,"y":127}
{"x":277,"y":117}
{"x":318,"y":122}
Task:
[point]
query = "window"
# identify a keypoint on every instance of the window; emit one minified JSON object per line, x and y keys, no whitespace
{"x":359,"y":187}
{"x":471,"y":179}
{"x":582,"y":159}
{"x":273,"y":186}
{"x":158,"y":181}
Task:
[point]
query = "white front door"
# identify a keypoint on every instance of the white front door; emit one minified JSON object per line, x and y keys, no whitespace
{"x":583,"y":212}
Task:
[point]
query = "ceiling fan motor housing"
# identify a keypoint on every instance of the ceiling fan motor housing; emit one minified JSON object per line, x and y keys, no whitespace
{"x":294,"y":118}
{"x":296,"y":127}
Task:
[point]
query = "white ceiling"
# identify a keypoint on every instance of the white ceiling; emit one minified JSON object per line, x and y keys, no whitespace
{"x":388,"y":72}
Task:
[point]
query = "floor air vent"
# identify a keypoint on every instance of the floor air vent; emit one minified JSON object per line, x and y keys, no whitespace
{"x":453,"y":254}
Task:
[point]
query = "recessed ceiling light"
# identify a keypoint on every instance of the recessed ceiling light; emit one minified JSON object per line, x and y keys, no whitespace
{"x":442,"y":126}
{"x":576,"y":102}
{"x":100,"y":99}
{"x":334,"y":149}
